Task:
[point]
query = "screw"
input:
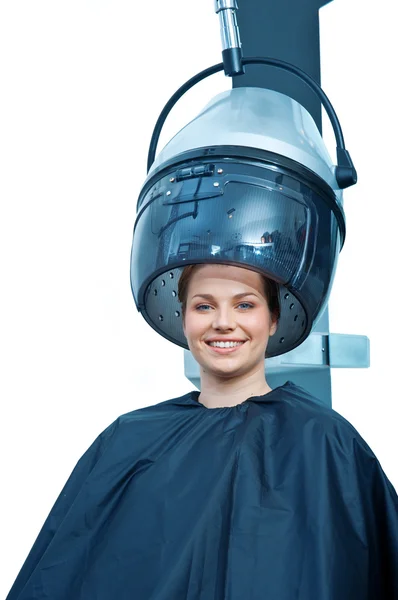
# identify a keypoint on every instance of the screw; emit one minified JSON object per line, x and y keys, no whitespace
{"x":219,"y":171}
{"x":216,"y":184}
{"x":168,"y":193}
{"x":172,"y":179}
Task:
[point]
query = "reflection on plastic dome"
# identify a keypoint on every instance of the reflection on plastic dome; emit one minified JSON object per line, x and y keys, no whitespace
{"x":230,"y":228}
{"x":271,"y":223}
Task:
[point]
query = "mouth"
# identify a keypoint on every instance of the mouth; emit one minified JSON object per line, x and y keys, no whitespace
{"x":217,"y":350}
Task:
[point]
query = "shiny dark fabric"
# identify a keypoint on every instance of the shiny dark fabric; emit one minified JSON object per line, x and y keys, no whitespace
{"x":277,"y":498}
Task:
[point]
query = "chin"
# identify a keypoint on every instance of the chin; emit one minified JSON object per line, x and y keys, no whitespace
{"x":232,"y":368}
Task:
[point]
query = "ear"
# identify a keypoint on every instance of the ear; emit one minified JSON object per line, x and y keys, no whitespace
{"x":183,"y":324}
{"x":274,"y":326}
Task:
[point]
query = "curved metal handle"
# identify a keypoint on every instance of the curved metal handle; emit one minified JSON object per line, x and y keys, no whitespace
{"x":345,"y":173}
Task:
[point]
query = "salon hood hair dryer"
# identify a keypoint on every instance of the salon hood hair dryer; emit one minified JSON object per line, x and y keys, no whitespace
{"x":248,"y":182}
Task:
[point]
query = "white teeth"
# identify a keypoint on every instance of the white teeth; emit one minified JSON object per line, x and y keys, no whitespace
{"x":225,"y":344}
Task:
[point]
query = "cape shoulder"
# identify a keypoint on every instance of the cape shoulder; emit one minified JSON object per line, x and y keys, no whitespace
{"x":342,"y":440}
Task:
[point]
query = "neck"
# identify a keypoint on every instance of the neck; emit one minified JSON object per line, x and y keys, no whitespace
{"x":217,"y":392}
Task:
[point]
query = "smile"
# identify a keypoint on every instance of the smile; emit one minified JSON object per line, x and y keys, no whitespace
{"x":224,"y":347}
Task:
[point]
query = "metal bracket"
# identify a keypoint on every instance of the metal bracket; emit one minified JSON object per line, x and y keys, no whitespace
{"x":334,"y":350}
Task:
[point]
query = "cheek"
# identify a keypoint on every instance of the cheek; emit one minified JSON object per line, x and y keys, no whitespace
{"x":193,"y":325}
{"x":258,"y":323}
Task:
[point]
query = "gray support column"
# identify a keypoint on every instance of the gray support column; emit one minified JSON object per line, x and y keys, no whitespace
{"x":287,"y":30}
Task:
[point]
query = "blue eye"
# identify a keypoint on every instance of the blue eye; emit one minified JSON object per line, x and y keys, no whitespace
{"x":247,"y":304}
{"x":244,"y":304}
{"x":203,"y":306}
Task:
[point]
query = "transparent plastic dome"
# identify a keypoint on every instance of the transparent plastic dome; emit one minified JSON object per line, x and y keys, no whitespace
{"x":243,"y":207}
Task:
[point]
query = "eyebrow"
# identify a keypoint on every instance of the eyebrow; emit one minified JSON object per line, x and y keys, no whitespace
{"x":210,"y":297}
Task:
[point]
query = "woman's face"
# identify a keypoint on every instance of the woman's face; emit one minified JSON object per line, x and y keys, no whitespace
{"x":227,"y":303}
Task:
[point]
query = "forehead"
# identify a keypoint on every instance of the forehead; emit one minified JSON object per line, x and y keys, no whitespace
{"x":225,"y":276}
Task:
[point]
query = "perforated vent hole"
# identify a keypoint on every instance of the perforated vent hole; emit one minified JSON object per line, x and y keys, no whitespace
{"x":281,"y":340}
{"x":171,"y":275}
{"x":155,"y":292}
{"x":177,"y":313}
{"x":163,"y":283}
{"x":160,"y":317}
{"x":286,"y":296}
{"x":174,"y":293}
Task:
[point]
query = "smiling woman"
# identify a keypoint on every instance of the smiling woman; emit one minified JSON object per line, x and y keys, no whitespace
{"x":229,"y":314}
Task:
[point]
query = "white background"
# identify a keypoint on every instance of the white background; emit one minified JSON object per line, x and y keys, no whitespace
{"x":82,"y":85}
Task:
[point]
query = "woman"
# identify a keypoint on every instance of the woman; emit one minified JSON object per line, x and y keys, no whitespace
{"x":213,"y":313}
{"x":238,"y":492}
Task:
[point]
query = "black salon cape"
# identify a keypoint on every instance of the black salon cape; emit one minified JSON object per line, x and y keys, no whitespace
{"x":277,"y":498}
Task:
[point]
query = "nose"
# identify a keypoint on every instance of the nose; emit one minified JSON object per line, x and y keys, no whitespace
{"x":224,"y":318}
